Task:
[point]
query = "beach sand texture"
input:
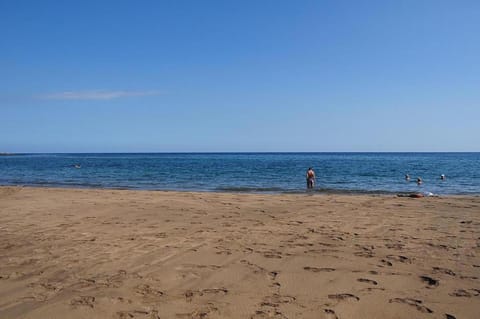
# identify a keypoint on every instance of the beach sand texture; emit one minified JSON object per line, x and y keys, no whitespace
{"x":78,"y":253}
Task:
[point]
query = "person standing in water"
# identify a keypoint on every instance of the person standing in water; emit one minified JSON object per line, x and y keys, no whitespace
{"x":310,"y":178}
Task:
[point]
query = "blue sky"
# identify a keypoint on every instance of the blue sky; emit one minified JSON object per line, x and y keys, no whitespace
{"x":161,"y":76}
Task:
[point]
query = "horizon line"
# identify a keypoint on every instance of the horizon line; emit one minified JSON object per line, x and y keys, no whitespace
{"x":233,"y":152}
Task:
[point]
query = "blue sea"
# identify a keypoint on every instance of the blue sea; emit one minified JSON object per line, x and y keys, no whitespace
{"x":373,"y":173}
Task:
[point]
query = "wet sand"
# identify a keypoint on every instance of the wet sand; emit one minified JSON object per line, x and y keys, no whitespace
{"x":77,"y":253}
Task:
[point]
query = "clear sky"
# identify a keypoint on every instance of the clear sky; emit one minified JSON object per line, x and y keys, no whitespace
{"x":160,"y":76}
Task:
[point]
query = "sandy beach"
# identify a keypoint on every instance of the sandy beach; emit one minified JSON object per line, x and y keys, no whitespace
{"x":86,"y":253}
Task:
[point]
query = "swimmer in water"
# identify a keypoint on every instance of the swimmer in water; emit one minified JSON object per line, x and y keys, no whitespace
{"x":310,"y":178}
{"x":407,"y":177}
{"x":419,"y":181}
{"x":443,"y":177}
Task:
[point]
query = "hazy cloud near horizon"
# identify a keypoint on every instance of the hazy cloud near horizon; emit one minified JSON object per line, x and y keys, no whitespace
{"x":96,"y":94}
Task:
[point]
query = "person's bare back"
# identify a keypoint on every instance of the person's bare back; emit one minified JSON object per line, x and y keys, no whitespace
{"x":310,"y":178}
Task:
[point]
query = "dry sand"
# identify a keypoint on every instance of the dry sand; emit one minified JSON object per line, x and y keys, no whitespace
{"x":73,"y":253}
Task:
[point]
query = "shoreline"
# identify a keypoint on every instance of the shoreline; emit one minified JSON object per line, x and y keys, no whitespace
{"x":251,"y":190}
{"x":95,"y":253}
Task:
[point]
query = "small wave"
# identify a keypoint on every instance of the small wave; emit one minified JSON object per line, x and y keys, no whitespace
{"x":55,"y":184}
{"x":352,"y":191}
{"x":243,"y":189}
{"x":319,"y":190}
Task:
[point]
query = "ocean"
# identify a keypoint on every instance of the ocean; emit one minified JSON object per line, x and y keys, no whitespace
{"x":371,"y":173}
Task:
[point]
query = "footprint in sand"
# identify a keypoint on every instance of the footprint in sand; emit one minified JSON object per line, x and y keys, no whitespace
{"x":138,"y":314}
{"x":275,"y":285}
{"x":343,"y":297}
{"x":430,"y":281}
{"x":399,"y":258}
{"x":396,"y":246}
{"x":272,"y":254}
{"x":372,"y":289}
{"x":200,"y":313}
{"x":412,"y":302}
{"x":272,"y":313}
{"x":50,"y":287}
{"x":104,"y":280}
{"x":276,"y":299}
{"x":120,"y":299}
{"x":223,"y":250}
{"x":368,"y":281}
{"x":385,"y":263}
{"x":330,"y":314}
{"x":443,"y":271}
{"x":315,"y":269}
{"x":189,"y":294}
{"x":273,"y":275}
{"x":147,"y":291}
{"x":83,"y":301}
{"x":464,"y":293}
{"x":366,"y":251}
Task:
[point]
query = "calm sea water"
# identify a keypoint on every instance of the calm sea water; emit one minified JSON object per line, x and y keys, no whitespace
{"x":249,"y":172}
